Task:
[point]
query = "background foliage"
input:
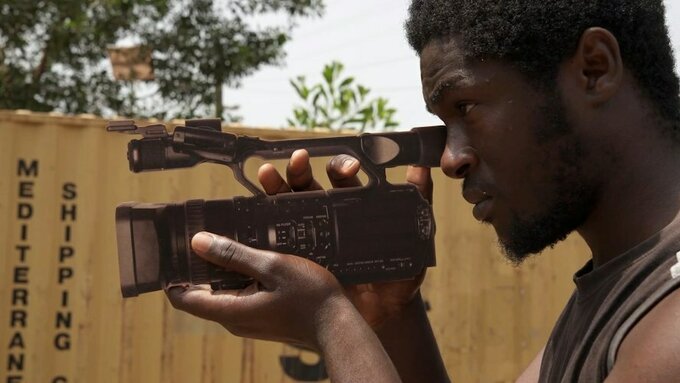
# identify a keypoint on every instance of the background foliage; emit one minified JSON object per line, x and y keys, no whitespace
{"x":339,"y":103}
{"x":53,"y":52}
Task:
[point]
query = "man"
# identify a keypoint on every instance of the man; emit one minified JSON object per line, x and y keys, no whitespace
{"x":562,"y":115}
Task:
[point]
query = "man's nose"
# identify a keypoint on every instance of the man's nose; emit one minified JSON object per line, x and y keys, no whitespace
{"x":458,"y":162}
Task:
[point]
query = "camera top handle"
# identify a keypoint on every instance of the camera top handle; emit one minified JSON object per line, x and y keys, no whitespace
{"x":202,"y":141}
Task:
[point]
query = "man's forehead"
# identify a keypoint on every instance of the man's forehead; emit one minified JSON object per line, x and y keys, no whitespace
{"x":440,"y":53}
{"x":442,"y":66}
{"x":445,"y":67}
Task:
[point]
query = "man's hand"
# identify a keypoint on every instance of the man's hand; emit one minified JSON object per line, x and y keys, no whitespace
{"x":291,"y":300}
{"x":376,"y":302}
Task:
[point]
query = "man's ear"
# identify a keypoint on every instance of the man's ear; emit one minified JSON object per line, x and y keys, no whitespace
{"x":598,"y":65}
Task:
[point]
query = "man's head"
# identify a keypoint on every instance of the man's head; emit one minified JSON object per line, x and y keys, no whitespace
{"x":536,"y":36}
{"x":522,"y":87}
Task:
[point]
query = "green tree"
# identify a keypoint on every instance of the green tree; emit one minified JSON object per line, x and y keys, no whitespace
{"x":53,"y":52}
{"x":202,"y":48}
{"x":339,"y":103}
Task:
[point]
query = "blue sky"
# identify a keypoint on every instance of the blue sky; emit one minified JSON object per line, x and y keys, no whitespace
{"x":367,"y":36}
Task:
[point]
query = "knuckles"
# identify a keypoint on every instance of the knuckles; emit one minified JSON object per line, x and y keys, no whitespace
{"x":224,"y":250}
{"x":335,"y":166}
{"x":273,"y":264}
{"x":177,"y":298}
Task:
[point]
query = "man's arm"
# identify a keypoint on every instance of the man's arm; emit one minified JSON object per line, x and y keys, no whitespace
{"x":410,"y":343}
{"x":351,"y":350}
{"x":651,"y":350}
{"x":292,"y":300}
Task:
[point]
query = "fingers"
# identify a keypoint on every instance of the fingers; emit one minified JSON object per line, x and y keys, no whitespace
{"x":299,"y":172}
{"x":421,"y":178}
{"x":342,"y":171}
{"x":271,"y":180}
{"x":196,"y":300}
{"x":229,"y":307}
{"x":217,"y":306}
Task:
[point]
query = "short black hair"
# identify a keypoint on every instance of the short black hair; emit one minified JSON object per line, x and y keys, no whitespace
{"x":536,"y":36}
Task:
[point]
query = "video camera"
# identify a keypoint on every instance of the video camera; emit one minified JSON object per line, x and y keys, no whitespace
{"x":377,"y":232}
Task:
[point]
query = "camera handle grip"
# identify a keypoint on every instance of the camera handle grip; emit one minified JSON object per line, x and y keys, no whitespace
{"x":375,"y":152}
{"x":316,"y":147}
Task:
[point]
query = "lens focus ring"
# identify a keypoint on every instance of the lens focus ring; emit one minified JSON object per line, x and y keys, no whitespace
{"x":195,"y":222}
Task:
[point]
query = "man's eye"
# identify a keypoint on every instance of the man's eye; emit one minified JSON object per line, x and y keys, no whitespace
{"x":465,"y":108}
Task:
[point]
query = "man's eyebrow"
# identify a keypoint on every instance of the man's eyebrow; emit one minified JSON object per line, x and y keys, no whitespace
{"x":446,"y":83}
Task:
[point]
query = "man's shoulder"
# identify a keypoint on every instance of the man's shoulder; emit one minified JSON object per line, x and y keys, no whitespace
{"x":609,"y":304}
{"x":650,"y":350}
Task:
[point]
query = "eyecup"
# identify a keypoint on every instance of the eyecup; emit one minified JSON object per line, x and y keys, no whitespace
{"x":432,"y":144}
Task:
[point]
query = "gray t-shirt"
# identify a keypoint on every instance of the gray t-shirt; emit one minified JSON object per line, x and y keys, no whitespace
{"x":606,"y":304}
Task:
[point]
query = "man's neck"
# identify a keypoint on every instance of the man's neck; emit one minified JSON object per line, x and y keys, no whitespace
{"x":640,"y":196}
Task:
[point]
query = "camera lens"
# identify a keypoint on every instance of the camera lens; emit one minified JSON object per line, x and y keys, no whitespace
{"x":154,"y":245}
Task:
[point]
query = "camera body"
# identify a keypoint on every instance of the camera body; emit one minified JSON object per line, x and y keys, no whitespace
{"x":376,"y":232}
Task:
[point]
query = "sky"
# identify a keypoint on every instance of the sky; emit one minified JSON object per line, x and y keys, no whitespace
{"x":368,"y":37}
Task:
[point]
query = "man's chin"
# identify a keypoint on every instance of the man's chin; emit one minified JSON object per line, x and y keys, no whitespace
{"x":508,"y":247}
{"x":521,"y":245}
{"x":517,"y":246}
{"x":515,"y":256}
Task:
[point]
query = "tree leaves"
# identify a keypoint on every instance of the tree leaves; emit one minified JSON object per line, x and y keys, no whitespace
{"x":339,"y":104}
{"x":53,"y":52}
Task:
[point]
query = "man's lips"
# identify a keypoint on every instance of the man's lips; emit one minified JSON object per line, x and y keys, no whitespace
{"x":482,"y":201}
{"x":482,"y":210}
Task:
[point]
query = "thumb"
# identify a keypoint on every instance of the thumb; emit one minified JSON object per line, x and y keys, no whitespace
{"x":232,"y":255}
{"x":422,"y":179}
